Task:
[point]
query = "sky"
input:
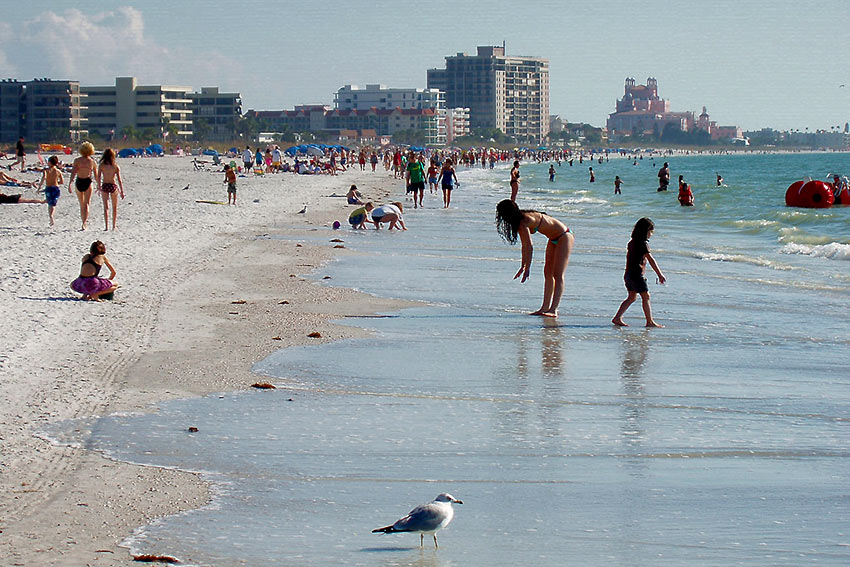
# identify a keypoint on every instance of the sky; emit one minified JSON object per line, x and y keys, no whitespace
{"x":752,"y":63}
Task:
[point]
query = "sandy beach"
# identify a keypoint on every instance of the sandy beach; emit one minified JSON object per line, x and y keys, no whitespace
{"x":205,"y":294}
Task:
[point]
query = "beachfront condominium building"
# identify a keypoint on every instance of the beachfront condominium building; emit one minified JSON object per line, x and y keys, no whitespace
{"x":41,"y":110}
{"x":352,"y":97}
{"x":506,"y":92}
{"x":457,"y":123}
{"x":214,"y":114}
{"x":383,"y":121}
{"x":150,"y":110}
{"x":380,"y":97}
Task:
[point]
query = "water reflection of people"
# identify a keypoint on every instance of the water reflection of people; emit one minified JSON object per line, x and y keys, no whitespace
{"x":551,"y":351}
{"x":635,"y":350}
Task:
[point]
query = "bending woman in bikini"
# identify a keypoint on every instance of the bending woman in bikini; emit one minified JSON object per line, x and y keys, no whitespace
{"x":513,"y":222}
{"x":85,"y":171}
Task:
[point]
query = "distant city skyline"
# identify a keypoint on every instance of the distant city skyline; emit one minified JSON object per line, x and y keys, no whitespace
{"x":755,"y":63}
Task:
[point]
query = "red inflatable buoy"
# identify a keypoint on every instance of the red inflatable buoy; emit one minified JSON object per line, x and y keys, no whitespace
{"x":793,"y":193}
{"x":815,"y":195}
{"x":843,"y":198}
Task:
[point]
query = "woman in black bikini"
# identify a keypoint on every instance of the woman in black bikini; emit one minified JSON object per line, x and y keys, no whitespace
{"x":513,"y":222}
{"x":84,"y":170}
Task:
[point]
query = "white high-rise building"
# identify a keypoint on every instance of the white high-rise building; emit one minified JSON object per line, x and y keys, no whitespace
{"x":505,"y":92}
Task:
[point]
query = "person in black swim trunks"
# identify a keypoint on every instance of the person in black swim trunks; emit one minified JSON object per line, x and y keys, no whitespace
{"x":636,"y":258}
{"x":513,"y":222}
{"x":83,"y":172}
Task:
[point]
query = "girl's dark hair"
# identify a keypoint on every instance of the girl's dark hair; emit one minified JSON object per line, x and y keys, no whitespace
{"x":508,"y":218}
{"x":97,"y":248}
{"x":108,"y":157}
{"x":642,"y":229}
{"x":353,"y":187}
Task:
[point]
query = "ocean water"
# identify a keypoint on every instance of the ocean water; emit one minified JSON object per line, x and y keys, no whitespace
{"x":721,"y":439}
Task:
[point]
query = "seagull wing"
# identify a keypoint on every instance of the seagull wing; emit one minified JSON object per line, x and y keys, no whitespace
{"x":425,"y":518}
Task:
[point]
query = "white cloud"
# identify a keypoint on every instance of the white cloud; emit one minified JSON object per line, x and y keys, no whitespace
{"x":94,"y":48}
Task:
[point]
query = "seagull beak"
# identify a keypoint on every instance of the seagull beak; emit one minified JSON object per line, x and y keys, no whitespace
{"x":457,"y":501}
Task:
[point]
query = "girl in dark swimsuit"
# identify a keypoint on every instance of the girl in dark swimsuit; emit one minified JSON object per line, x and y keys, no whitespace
{"x":89,"y":284}
{"x":512,"y":223}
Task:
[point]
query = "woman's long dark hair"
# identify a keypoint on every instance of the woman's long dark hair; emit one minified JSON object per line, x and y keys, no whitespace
{"x":508,"y":218}
{"x":642,"y":228}
{"x":108,"y":157}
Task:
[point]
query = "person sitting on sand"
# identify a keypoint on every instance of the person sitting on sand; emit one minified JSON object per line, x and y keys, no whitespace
{"x":637,"y":256}
{"x":512,"y":223}
{"x":357,"y":218}
{"x":353,"y":196}
{"x":390,"y":213}
{"x":89,"y":284}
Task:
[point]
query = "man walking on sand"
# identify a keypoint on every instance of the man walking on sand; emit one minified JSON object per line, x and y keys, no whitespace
{"x":247,"y":159}
{"x":20,"y":155}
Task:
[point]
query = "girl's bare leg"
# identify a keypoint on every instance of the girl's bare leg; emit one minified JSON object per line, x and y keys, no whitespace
{"x":114,"y":197}
{"x":618,"y":318}
{"x":647,"y":310}
{"x":105,"y":197}
{"x":514,"y":191}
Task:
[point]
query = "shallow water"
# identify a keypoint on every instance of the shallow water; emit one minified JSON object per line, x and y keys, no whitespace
{"x":721,"y":439}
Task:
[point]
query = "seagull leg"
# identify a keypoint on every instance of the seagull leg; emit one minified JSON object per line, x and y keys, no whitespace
{"x":435,"y":542}
{"x":421,"y":540}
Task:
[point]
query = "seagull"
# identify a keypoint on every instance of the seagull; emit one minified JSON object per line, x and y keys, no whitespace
{"x":426,"y":519}
{"x":302,"y":211}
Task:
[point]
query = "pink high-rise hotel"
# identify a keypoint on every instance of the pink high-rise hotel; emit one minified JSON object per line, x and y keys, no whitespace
{"x":642,"y":111}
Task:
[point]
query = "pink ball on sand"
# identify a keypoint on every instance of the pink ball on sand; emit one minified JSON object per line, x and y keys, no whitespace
{"x":336,"y":225}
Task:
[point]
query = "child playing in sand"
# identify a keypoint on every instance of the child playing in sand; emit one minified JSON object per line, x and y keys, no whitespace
{"x":52,"y":179}
{"x":353,"y":196}
{"x":636,"y":258}
{"x":107,"y":175}
{"x":89,"y":284}
{"x":357,"y":218}
{"x":512,"y":223}
{"x":230,"y":179}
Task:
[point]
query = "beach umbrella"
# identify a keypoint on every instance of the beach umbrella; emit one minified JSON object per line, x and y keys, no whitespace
{"x":315,"y":151}
{"x":155,"y":149}
{"x":127,"y":152}
{"x":210,"y":152}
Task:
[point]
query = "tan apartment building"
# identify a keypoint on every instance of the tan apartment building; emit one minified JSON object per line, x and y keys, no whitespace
{"x":510,"y":93}
{"x":110,"y":109}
